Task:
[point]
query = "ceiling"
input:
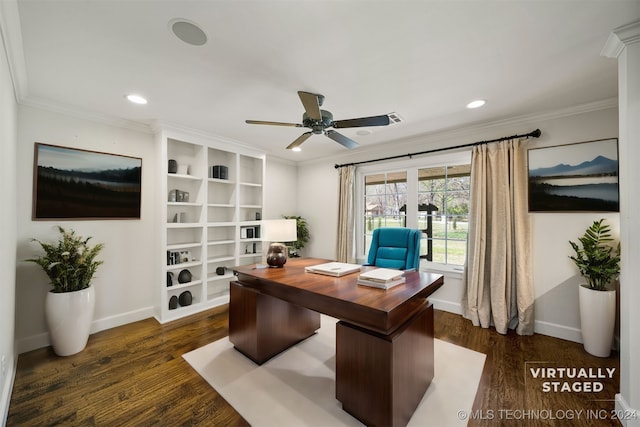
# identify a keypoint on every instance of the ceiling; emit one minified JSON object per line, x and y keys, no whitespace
{"x":424,"y":60}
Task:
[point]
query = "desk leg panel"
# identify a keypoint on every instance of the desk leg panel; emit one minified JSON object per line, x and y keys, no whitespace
{"x":381,"y":379}
{"x":261,"y":326}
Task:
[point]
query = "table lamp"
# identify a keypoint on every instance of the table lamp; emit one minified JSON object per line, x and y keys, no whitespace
{"x":278,"y":230}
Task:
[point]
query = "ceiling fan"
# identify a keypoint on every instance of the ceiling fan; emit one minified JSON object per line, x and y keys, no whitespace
{"x":320,"y":120}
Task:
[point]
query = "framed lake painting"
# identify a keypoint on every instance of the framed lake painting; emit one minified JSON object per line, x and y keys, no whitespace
{"x":70,"y":183}
{"x":574,"y":177}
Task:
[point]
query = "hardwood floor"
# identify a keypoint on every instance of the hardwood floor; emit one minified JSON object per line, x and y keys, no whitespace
{"x":134,"y":375}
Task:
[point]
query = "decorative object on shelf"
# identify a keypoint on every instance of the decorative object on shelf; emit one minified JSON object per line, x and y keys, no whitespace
{"x":598,"y":261}
{"x":173,"y":195}
{"x":180,"y":217}
{"x":258,"y":216}
{"x":173,"y":166}
{"x":221,"y":271}
{"x":64,"y":176}
{"x":302,"y":231}
{"x":185,"y":256}
{"x":574,"y":177}
{"x":173,"y":302}
{"x":69,"y":305}
{"x":184,"y":276}
{"x":185,"y":299}
{"x":169,"y":278}
{"x":183,"y":169}
{"x":219,"y":172}
{"x":182,"y":196}
{"x":278,"y":230}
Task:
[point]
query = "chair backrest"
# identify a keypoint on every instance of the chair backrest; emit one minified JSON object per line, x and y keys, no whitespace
{"x":395,"y":248}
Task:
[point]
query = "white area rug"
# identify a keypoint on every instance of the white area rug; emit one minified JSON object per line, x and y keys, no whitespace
{"x":297,"y":387}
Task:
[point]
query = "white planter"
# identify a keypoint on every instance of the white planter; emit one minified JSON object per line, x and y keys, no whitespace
{"x":69,"y":317}
{"x":597,"y":320}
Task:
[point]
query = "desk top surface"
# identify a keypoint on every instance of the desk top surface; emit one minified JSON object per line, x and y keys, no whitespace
{"x":341,"y":297}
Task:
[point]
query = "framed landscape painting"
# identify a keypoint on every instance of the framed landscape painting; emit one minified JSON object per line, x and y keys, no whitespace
{"x":70,"y":183}
{"x":574,"y":177}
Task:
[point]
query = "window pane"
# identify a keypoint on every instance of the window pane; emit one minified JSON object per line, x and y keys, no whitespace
{"x":442,"y":214}
{"x":439,"y":252}
{"x":456,"y":252}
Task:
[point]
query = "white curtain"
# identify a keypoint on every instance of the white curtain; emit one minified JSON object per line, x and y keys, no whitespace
{"x":346,"y":189}
{"x":498,"y":284}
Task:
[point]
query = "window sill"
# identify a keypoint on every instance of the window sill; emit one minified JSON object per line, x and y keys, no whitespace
{"x":448,"y":270}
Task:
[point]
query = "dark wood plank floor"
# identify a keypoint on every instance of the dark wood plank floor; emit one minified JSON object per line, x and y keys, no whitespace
{"x":135,"y":375}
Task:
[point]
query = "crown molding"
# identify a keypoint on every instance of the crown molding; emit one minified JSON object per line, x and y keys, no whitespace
{"x":185,"y":132}
{"x":619,"y":38}
{"x":11,"y":38}
{"x":80,"y":113}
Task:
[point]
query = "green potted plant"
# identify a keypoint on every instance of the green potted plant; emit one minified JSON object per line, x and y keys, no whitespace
{"x":302,"y":229}
{"x":70,"y":264}
{"x":598,"y":261}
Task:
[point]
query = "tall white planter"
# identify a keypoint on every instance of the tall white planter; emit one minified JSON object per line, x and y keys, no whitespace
{"x":597,"y":320}
{"x":69,"y":317}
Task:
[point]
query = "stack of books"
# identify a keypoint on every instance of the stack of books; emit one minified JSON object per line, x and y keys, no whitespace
{"x":383,"y":278}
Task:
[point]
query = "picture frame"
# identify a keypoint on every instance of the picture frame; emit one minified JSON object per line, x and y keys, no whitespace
{"x":73,"y":183}
{"x":578,"y":177}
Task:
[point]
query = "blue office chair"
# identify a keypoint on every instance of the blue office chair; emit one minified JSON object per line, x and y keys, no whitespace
{"x":395,"y":248}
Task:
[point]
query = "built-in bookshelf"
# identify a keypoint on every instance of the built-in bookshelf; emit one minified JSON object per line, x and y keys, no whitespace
{"x":211,"y":193}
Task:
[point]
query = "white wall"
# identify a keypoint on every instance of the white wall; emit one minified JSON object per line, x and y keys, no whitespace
{"x":554,"y":278}
{"x":8,"y":129}
{"x":280,"y":183}
{"x":124,"y":283}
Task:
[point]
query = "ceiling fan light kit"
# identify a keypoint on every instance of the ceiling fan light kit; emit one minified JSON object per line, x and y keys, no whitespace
{"x":319,"y":121}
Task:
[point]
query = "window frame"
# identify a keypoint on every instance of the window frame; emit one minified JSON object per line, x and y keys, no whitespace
{"x":411,"y":167}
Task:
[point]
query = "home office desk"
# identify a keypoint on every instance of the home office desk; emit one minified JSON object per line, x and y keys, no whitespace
{"x":384,"y":338}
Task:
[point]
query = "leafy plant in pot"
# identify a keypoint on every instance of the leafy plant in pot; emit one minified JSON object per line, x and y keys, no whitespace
{"x":302,"y":229}
{"x":70,"y":264}
{"x":598,"y":261}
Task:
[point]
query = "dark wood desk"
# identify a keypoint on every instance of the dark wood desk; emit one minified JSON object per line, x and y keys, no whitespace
{"x":384,"y":339}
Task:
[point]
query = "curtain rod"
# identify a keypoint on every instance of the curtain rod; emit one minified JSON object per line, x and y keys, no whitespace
{"x":535,"y":134}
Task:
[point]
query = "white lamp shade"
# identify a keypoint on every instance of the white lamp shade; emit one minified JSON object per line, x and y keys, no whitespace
{"x":279,"y":230}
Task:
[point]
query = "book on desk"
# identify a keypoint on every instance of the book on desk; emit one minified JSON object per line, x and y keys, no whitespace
{"x":384,"y":278}
{"x":336,"y":269}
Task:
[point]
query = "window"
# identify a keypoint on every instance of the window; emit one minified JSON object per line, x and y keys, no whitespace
{"x":432,"y":199}
{"x":443,"y":213}
{"x":385,"y":202}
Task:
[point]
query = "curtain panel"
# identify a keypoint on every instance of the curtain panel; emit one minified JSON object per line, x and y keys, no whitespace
{"x":346,"y":206}
{"x":498,"y":284}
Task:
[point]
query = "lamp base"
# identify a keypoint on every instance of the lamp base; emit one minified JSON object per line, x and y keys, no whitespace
{"x":277,"y":255}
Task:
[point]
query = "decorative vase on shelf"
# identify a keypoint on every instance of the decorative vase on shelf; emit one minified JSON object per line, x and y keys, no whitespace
{"x":184,"y":276}
{"x":173,"y":166}
{"x":69,"y":316}
{"x":185,"y":298}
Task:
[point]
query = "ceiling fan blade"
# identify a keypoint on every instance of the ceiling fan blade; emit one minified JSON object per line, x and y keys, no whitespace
{"x":311,"y":103}
{"x":298,"y":142}
{"x":362,"y":122}
{"x":341,"y":139}
{"x":262,"y":122}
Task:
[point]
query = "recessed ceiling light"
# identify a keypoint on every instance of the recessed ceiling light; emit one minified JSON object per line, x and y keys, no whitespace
{"x":187,"y":31}
{"x":363,"y":132}
{"x":296,"y":149}
{"x":136,"y":99}
{"x":476,"y":104}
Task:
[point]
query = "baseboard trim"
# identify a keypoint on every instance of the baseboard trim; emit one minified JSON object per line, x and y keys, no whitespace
{"x":444,"y":305}
{"x":558,"y":331}
{"x":42,"y":339}
{"x":627,"y":416}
